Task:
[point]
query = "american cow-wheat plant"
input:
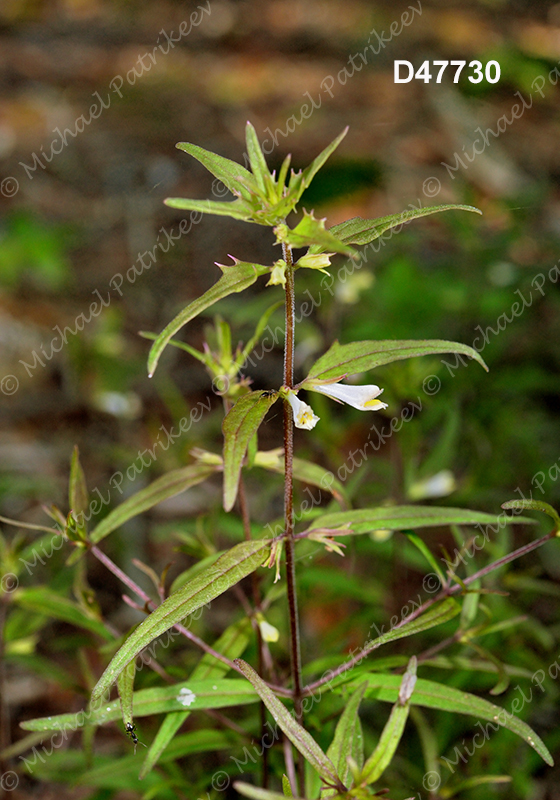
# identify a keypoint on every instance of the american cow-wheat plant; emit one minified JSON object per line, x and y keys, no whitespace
{"x":293,"y":762}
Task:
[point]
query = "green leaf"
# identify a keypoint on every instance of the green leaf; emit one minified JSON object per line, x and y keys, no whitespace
{"x":31,"y":527}
{"x":44,"y":601}
{"x":169,"y":485}
{"x":283,"y":173}
{"x":305,"y":471}
{"x":231,"y":644}
{"x":348,"y":738}
{"x":236,"y":209}
{"x":204,"y":358}
{"x":301,"y":180}
{"x":240,"y":424}
{"x":184,"y":577}
{"x":111,"y":773}
{"x":125,"y":686}
{"x":428,"y":742}
{"x":233,"y":175}
{"x":362,"y":231}
{"x":257,"y":160}
{"x":256,"y":793}
{"x":77,"y":493}
{"x":392,"y":733}
{"x":286,"y":787}
{"x":436,"y":615}
{"x":310,"y":231}
{"x":236,"y":564}
{"x":194,"y":695}
{"x":430,"y":694}
{"x":470,"y":783}
{"x":299,"y":737}
{"x":348,"y":359}
{"x":421,"y":545}
{"x":398,"y":518}
{"x":235,"y":278}
{"x":535,"y":505}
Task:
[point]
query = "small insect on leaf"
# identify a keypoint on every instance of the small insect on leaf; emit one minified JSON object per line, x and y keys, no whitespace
{"x":131,"y":732}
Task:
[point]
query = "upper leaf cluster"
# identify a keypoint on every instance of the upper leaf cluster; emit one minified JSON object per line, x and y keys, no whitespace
{"x":260,"y":196}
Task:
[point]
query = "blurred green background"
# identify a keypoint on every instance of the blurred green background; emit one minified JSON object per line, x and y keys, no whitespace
{"x":126,"y":81}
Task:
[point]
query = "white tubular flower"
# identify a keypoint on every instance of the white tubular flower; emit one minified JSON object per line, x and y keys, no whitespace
{"x":303,"y":414}
{"x":361,"y":397}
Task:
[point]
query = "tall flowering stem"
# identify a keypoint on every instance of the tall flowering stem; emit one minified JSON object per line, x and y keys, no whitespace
{"x":295,"y":652}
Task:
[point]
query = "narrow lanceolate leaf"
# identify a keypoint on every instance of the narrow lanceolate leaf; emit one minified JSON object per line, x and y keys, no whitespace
{"x":363,"y":231}
{"x":169,"y":485}
{"x":286,"y":786}
{"x":233,"y":566}
{"x":231,"y":644}
{"x":436,"y":615}
{"x":233,"y":175}
{"x":421,"y":545}
{"x":348,"y":739}
{"x":113,"y":775}
{"x":239,"y":426}
{"x":305,"y":471}
{"x":301,"y":180}
{"x":348,"y":359}
{"x":257,"y":160}
{"x":194,"y":695}
{"x":391,"y":735}
{"x":256,"y":793}
{"x":445,"y":698}
{"x":44,"y":601}
{"x":234,"y":279}
{"x":125,"y":686}
{"x":398,"y":518}
{"x":77,"y":492}
{"x":310,"y":231}
{"x":236,"y":209}
{"x":535,"y":505}
{"x":299,"y":737}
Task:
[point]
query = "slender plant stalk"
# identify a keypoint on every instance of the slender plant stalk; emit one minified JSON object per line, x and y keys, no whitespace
{"x":295,"y":650}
